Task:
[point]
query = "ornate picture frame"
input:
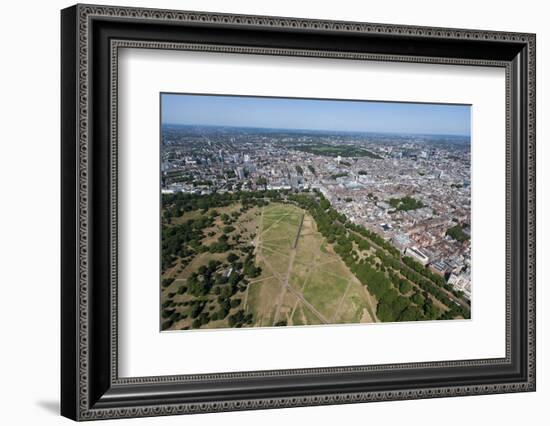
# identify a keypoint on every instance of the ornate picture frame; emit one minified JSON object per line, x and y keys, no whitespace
{"x":91,"y":37}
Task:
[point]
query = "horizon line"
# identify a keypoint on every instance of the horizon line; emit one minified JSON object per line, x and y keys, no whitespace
{"x":320,"y":130}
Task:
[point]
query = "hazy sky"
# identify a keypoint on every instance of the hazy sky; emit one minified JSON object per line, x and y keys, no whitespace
{"x":288,"y":113}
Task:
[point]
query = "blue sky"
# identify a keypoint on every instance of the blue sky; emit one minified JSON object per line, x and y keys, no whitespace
{"x":313,"y":114}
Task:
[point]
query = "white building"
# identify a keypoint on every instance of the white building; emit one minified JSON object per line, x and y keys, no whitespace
{"x":417,"y":255}
{"x":462,"y":283}
{"x":239,"y":171}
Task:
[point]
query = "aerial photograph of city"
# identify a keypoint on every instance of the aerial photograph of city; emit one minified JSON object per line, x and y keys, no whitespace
{"x":295,"y":211}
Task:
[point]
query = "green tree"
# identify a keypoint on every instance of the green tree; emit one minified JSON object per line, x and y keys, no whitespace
{"x":167,"y":281}
{"x":404,"y":286}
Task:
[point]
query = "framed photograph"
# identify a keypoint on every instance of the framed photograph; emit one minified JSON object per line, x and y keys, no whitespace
{"x":263,"y":212}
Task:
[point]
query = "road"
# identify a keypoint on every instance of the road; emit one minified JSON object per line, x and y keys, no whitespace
{"x":444,"y":290}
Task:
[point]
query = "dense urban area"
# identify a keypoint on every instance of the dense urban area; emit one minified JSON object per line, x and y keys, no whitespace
{"x":271,"y":227}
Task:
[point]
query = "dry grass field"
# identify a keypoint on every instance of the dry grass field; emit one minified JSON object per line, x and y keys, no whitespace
{"x":304,"y":281}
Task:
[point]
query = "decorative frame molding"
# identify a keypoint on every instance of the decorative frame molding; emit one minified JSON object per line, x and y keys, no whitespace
{"x":91,"y":37}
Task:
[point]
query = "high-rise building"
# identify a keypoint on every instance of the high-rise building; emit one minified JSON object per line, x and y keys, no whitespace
{"x":239,"y":171}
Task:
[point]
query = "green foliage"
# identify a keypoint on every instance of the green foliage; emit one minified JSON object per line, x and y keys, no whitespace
{"x":167,"y":281}
{"x":335,"y":150}
{"x":239,"y":319}
{"x":199,"y":283}
{"x":404,"y":286}
{"x":181,"y":202}
{"x":430,"y":310}
{"x":338,"y":175}
{"x":417,"y":299}
{"x":225,"y":307}
{"x":196,"y":286}
{"x":406,"y":203}
{"x":221,"y":246}
{"x":390,"y":310}
{"x":250,"y":269}
{"x":196,"y":309}
{"x":457,"y":233}
{"x":228,"y":229}
{"x":362,"y":244}
{"x":422,"y":270}
{"x":182,"y":240}
{"x":411,"y":313}
{"x":167,"y":313}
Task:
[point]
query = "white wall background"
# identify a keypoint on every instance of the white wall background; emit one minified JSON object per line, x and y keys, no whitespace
{"x":29,"y":214}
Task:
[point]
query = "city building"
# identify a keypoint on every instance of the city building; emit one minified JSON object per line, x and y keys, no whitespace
{"x":418,"y":255}
{"x":461,"y":282}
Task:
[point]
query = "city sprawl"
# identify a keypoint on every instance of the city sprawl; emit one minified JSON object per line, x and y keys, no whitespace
{"x":265,"y":227}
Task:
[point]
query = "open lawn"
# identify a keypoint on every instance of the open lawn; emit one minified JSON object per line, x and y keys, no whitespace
{"x":324,"y":291}
{"x":260,"y":297}
{"x":312,"y":278}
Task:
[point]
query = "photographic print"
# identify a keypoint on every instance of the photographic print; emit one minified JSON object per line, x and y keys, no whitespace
{"x":297,"y":212}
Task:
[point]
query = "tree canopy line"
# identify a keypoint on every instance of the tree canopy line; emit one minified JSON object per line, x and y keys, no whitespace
{"x":175,"y":205}
{"x":329,"y":150}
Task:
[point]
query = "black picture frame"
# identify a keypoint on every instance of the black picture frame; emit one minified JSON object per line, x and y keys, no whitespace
{"x":90,"y":386}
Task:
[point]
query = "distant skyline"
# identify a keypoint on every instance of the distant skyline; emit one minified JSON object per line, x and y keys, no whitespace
{"x":315,"y":114}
